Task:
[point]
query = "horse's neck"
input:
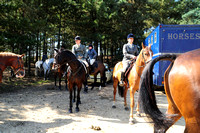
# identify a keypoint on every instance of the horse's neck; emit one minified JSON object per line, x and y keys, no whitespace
{"x":74,"y":65}
{"x":139,"y":64}
{"x":8,"y":61}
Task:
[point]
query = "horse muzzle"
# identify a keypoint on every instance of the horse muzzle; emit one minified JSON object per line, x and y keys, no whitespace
{"x":20,"y":74}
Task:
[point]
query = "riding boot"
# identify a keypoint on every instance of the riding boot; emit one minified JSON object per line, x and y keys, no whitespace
{"x":121,"y":83}
{"x":92,"y":68}
{"x":88,"y":73}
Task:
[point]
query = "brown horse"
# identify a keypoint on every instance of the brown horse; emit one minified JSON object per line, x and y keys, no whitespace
{"x":133,"y":78}
{"x":76,"y":74}
{"x":99,"y":69}
{"x":60,"y":72}
{"x":182,"y":88}
{"x":13,"y":60}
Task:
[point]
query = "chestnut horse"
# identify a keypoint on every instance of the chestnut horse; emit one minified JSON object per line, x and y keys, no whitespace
{"x":99,"y":69}
{"x":76,"y":74}
{"x":133,"y":78}
{"x":182,"y":88}
{"x":13,"y":60}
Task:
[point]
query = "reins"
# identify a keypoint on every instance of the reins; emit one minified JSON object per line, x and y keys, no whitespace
{"x":145,"y":63}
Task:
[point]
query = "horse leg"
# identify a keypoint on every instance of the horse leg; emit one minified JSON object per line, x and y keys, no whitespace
{"x":45,"y":76}
{"x":125,"y":93}
{"x":70,"y":97}
{"x":60,"y":77}
{"x":85,"y":86}
{"x":103,"y":79}
{"x":78,"y":99}
{"x":192,"y":125}
{"x":115,"y":83}
{"x":74,"y":99}
{"x":55,"y":77}
{"x":66,"y":83}
{"x":132,"y":92}
{"x":94,"y":83}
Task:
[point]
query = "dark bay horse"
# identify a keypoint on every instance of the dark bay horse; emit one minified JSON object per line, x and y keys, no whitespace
{"x":182,"y":88}
{"x":133,"y":78}
{"x":99,"y":69}
{"x":76,"y":74}
{"x":60,"y":72}
{"x":13,"y":60}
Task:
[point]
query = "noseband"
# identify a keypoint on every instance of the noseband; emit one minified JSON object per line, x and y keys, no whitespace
{"x":19,"y":66}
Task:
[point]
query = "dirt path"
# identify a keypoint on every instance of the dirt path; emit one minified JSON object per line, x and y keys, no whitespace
{"x":42,"y":109}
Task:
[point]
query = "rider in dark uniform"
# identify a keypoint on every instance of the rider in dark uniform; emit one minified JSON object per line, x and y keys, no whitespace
{"x":92,"y":54}
{"x":130,"y":52}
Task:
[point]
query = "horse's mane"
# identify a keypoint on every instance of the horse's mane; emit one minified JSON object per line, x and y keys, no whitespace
{"x":8,"y":54}
{"x":69,"y":53}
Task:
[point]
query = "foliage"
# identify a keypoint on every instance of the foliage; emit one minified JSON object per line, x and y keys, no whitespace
{"x":35,"y":27}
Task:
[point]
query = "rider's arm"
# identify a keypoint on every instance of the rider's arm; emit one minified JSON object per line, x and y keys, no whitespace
{"x":126,"y":54}
{"x":95,"y":54}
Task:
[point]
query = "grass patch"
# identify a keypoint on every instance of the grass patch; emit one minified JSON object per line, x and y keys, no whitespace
{"x":15,"y":84}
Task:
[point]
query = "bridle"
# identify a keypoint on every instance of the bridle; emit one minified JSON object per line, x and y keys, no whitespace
{"x":18,"y":66}
{"x":145,"y":63}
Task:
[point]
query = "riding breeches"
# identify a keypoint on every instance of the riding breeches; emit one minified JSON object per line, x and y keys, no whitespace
{"x":125,"y":64}
{"x":92,"y":61}
{"x":84,"y":61}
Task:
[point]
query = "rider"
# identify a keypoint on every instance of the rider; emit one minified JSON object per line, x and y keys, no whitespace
{"x":44,"y":58}
{"x":79,"y":50}
{"x":130,"y":51}
{"x":92,"y":54}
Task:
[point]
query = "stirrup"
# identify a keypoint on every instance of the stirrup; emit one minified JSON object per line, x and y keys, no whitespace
{"x":121,"y":83}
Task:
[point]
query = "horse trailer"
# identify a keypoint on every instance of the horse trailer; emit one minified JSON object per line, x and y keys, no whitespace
{"x":171,"y":39}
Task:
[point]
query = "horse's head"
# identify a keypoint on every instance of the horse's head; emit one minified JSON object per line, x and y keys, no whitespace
{"x":63,"y":57}
{"x":18,"y":66}
{"x":146,"y":54}
{"x":57,"y":57}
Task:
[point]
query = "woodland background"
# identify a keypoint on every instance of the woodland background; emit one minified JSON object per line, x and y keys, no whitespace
{"x":36,"y":27}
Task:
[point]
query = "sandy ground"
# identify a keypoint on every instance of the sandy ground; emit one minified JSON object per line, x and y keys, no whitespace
{"x":44,"y":109}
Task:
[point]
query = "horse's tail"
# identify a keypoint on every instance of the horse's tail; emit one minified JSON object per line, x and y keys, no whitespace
{"x":147,"y":98}
{"x":121,"y":90}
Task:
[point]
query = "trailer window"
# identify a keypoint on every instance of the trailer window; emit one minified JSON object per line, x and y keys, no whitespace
{"x":151,"y":39}
{"x":155,"y":37}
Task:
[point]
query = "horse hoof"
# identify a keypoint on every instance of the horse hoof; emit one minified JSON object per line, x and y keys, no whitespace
{"x":77,"y":109}
{"x":70,"y":111}
{"x":114,"y":107}
{"x":126,"y":108}
{"x":79,"y":102}
{"x":138,"y":115}
{"x":131,"y":121}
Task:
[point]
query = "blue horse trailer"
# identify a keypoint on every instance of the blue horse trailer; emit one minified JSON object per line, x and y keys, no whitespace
{"x":171,"y":39}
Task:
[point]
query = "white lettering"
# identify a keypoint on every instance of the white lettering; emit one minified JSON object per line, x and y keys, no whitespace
{"x":198,"y":36}
{"x":180,"y":35}
{"x":186,"y":36}
{"x":169,"y":35}
{"x":191,"y":35}
{"x":175,"y":36}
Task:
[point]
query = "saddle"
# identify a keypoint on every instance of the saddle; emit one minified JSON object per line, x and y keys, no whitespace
{"x":128,"y":69}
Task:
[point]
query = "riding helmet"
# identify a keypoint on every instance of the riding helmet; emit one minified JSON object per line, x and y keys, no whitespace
{"x":77,"y":38}
{"x":130,"y":36}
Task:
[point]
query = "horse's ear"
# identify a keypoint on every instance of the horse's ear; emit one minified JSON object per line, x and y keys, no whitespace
{"x":143,"y":46}
{"x":56,"y":50}
{"x":149,"y":46}
{"x":22,"y":55}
